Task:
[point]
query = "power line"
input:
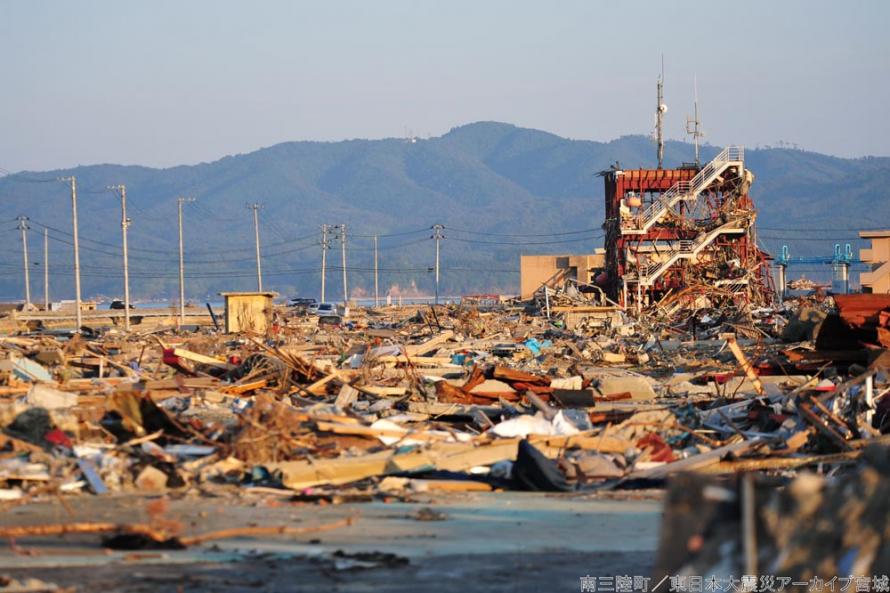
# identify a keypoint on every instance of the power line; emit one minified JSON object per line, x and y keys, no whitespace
{"x":820,"y":239}
{"x":171,"y":255}
{"x":173,"y":251}
{"x":389,"y":247}
{"x":488,"y":234}
{"x":386,"y":235}
{"x":586,"y":239}
{"x":809,"y":230}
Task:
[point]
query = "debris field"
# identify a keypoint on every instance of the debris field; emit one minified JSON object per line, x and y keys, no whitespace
{"x":565,"y":393}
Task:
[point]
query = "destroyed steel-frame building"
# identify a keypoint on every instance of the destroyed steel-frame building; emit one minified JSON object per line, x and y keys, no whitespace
{"x":684,"y":237}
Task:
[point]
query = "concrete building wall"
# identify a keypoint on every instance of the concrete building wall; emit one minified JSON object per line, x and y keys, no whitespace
{"x":877,"y":279}
{"x":553,"y":270}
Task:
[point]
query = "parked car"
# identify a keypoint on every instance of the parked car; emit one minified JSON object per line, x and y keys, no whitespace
{"x":302,"y":303}
{"x":119,"y":304}
{"x":323,"y":309}
{"x":301,"y":306}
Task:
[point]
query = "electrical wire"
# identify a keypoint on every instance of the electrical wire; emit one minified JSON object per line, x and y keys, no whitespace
{"x":488,"y":234}
{"x":817,"y":230}
{"x":388,"y":247}
{"x":386,"y":235}
{"x":461,"y":240}
{"x":174,"y":254}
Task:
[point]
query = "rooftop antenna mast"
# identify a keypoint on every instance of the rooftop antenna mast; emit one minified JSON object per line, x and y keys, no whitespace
{"x":693,"y":124}
{"x":660,"y":110}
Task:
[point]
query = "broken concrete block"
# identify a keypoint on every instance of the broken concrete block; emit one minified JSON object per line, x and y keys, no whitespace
{"x":575,"y":382}
{"x":43,"y":396}
{"x":639,"y":387}
{"x":53,"y":356}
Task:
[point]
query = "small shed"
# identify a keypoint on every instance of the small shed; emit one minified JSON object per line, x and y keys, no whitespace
{"x":248,"y":311}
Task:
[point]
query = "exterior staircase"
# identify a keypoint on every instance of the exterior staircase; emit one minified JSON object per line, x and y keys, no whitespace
{"x":685,"y":250}
{"x":731,"y":156}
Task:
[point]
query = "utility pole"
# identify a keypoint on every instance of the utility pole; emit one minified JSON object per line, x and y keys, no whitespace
{"x":376,"y":285}
{"x":343,"y":261}
{"x":78,"y":313}
{"x":438,"y":236}
{"x":180,"y":201}
{"x":125,"y":224}
{"x":256,"y":231}
{"x":693,"y":124}
{"x":324,"y":257}
{"x":45,"y":269}
{"x":660,"y":110}
{"x":23,"y":226}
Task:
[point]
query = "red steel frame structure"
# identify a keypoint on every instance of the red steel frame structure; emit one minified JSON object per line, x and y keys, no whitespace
{"x":729,"y":265}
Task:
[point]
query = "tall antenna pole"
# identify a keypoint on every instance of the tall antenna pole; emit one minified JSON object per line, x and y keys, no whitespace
{"x":23,"y":226}
{"x":693,"y":124}
{"x":256,"y":231}
{"x":180,"y":202}
{"x":324,"y":257}
{"x":438,"y":236}
{"x":376,"y":285}
{"x":45,"y":269}
{"x":343,"y":259}
{"x":77,"y":304}
{"x":125,"y":224}
{"x":660,"y":110}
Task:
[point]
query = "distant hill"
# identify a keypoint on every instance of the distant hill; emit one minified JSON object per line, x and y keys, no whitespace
{"x":499,"y":190}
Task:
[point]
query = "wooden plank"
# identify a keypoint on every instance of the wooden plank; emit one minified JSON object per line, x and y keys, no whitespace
{"x":508,"y":374}
{"x":319,"y":387}
{"x":444,"y":409}
{"x":743,"y":361}
{"x":429,"y":345}
{"x":183,"y":382}
{"x":245,"y":387}
{"x":451,"y":485}
{"x":443,"y":361}
{"x":382,"y":391}
{"x":10,"y":391}
{"x":201,"y":358}
{"x":347,"y":395}
{"x":696,"y":462}
{"x":443,"y":456}
{"x":368,"y":431}
{"x":780,"y":463}
{"x":601,"y":443}
{"x":583,"y":309}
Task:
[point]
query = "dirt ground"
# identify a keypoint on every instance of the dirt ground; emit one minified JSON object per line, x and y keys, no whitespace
{"x":479,"y":542}
{"x":551,"y":571}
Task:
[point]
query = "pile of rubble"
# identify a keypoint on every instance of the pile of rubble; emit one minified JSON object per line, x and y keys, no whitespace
{"x":568,"y":394}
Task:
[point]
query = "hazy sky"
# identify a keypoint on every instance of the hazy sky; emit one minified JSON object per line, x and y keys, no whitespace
{"x":171,"y":82}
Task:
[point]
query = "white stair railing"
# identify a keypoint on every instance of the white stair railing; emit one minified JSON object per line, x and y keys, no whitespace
{"x":686,"y":249}
{"x":689,"y":190}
